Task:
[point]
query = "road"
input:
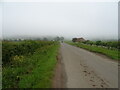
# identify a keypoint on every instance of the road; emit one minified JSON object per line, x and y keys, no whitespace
{"x":85,"y":69}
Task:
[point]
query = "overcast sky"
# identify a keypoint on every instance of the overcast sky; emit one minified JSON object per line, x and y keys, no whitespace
{"x":69,"y":19}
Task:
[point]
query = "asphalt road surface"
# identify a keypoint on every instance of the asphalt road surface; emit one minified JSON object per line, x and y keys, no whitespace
{"x":85,"y":69}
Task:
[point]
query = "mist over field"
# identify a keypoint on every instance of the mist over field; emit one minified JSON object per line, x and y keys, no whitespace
{"x":59,"y":44}
{"x":91,"y":20}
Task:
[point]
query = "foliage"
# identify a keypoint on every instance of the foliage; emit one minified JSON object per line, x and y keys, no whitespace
{"x":11,"y":49}
{"x":74,"y":39}
{"x":31,"y":67}
{"x":108,"y":44}
{"x":108,"y":52}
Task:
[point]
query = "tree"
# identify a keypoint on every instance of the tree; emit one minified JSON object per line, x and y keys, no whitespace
{"x":98,"y":42}
{"x":61,"y":38}
{"x":74,"y":39}
{"x":57,"y":38}
{"x":45,"y":39}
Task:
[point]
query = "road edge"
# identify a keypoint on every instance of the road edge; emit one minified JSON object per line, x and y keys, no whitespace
{"x":59,"y":79}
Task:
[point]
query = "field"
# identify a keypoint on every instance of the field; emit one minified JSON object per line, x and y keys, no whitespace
{"x":108,"y":49}
{"x":28,"y":64}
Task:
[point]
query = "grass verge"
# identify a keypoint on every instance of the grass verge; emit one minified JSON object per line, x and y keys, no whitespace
{"x":33,"y":71}
{"x":110,"y":53}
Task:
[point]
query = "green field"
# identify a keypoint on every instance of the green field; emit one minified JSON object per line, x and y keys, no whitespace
{"x":108,"y":52}
{"x":28,"y":64}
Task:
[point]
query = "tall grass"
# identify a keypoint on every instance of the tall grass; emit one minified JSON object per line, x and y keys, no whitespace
{"x":108,"y":52}
{"x":32,"y":68}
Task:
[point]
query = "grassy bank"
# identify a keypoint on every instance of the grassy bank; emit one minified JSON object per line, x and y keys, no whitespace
{"x":108,"y":52}
{"x":30,"y":70}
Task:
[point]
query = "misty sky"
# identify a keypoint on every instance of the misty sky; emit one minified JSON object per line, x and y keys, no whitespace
{"x":84,"y":19}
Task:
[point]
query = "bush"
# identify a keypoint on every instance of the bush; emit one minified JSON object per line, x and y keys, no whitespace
{"x":11,"y":49}
{"x":110,"y":44}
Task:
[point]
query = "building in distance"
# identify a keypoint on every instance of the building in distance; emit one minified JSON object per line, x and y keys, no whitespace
{"x":78,"y":39}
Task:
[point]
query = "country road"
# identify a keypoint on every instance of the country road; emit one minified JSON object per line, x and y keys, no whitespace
{"x":84,"y":69}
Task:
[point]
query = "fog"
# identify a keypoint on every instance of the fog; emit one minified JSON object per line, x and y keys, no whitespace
{"x":90,"y":20}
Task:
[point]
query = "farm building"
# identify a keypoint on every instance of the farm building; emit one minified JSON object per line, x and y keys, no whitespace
{"x":78,"y":39}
